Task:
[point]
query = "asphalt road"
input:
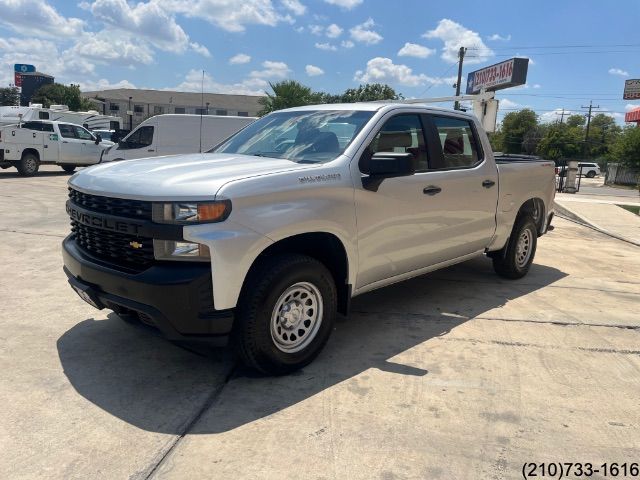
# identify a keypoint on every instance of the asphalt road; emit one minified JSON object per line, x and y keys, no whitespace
{"x":456,"y":374}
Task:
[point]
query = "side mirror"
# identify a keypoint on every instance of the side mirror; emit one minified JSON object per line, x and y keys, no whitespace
{"x":388,"y":165}
{"x":98,"y":138}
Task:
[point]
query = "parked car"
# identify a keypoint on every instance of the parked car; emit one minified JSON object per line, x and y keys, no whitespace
{"x":589,"y":170}
{"x":172,"y":134}
{"x":266,"y":238}
{"x":31,"y":144}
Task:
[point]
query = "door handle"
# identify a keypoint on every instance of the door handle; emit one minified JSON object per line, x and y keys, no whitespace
{"x":431,"y":190}
{"x":151,"y":150}
{"x":64,"y":141}
{"x":488,"y":183}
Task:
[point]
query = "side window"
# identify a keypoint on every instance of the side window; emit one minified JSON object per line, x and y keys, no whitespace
{"x":402,"y":134}
{"x":67,"y":131}
{"x":47,"y":127}
{"x":83,"y":134}
{"x":43,"y":115}
{"x":32,"y":126}
{"x":458,"y":142}
{"x":142,"y":137}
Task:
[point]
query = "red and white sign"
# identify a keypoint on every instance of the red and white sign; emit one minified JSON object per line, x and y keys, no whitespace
{"x":633,"y":115}
{"x":631,"y":90}
{"x":17,"y":79}
{"x":501,"y":75}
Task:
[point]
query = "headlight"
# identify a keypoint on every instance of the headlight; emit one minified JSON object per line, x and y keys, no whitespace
{"x":187,"y":213}
{"x":180,"y":250}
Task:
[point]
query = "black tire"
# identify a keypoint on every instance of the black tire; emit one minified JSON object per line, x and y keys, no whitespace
{"x":29,"y":164}
{"x":68,"y":168}
{"x":267,"y":287}
{"x":512,"y":262}
{"x":591,"y":174}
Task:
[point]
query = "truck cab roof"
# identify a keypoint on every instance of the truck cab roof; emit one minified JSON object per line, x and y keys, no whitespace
{"x":382,"y":106}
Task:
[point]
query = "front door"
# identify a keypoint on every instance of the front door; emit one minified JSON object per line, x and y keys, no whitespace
{"x":70,"y":145}
{"x":440,"y":213}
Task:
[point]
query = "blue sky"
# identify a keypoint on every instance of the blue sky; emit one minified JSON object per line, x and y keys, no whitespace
{"x":580,"y":50}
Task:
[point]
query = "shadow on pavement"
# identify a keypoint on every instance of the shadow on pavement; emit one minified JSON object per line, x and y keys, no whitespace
{"x":158,"y":387}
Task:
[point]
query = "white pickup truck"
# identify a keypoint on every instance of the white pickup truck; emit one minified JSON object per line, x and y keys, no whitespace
{"x":264,"y":240}
{"x":31,"y":144}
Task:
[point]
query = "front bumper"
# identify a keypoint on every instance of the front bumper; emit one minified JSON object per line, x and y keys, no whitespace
{"x":177,"y":299}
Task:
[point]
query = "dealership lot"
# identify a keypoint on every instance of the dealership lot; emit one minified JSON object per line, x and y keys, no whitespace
{"x":457,"y":374}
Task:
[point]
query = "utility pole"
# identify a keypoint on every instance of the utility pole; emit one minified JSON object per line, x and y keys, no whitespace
{"x":461,"y":52}
{"x":562,"y":115}
{"x":586,"y":134}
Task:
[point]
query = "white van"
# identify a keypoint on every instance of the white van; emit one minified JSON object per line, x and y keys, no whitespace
{"x":173,"y":134}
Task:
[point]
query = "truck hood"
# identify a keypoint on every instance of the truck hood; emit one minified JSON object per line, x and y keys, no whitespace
{"x":176,"y":177}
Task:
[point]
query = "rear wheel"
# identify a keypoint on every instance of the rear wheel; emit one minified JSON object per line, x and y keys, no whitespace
{"x":68,"y":168}
{"x":28,"y":165}
{"x":515,"y":259}
{"x":286,"y":313}
{"x":591,"y":174}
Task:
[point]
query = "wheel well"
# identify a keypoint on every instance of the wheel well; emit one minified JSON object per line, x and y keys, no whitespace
{"x":328,"y":250}
{"x":32,"y":151}
{"x":536,"y":209}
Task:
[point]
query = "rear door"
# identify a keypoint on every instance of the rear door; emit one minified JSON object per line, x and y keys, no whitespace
{"x":440,"y":213}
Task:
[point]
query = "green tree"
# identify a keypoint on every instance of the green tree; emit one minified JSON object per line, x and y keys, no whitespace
{"x":575,"y":121}
{"x":602,"y":134}
{"x":626,"y":148}
{"x":561,"y":141}
{"x":9,"y":97}
{"x":514,"y":127}
{"x":58,"y":94}
{"x":287,"y":94}
{"x":497,"y":140}
{"x":370,"y":92}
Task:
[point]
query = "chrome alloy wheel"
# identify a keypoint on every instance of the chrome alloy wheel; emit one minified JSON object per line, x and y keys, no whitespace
{"x":523,"y":248}
{"x":296,"y":317}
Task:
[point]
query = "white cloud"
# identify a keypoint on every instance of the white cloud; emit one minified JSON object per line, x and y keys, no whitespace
{"x":299,"y":29}
{"x":347,"y":44}
{"x":325,"y":46}
{"x":619,"y":72}
{"x":271,"y":70}
{"x":334,"y":31}
{"x":294,"y":6}
{"x":201,"y":49}
{"x":455,"y":36}
{"x":193,"y":82}
{"x":313,"y":71}
{"x":112,"y":47}
{"x":508,"y":104}
{"x":536,"y":85}
{"x":239,"y":59}
{"x":148,"y":20}
{"x":38,"y":18}
{"x":498,"y":38}
{"x":383,"y":70}
{"x":362,"y":33}
{"x":346,"y":4}
{"x":415,"y":50}
{"x":104,"y":84}
{"x":229,"y":15}
{"x":555,"y":115}
{"x":630,"y":106}
{"x":316,"y":29}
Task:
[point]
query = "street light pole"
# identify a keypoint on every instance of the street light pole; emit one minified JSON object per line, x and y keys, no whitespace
{"x":130,"y":115}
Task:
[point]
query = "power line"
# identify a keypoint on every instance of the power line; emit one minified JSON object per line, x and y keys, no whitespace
{"x":562,"y":46}
{"x":538,"y":54}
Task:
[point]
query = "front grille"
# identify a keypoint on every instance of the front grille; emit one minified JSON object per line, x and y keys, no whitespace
{"x":119,"y":207}
{"x":114,"y":248}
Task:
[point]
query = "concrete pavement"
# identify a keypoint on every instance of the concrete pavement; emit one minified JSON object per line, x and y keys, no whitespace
{"x":456,"y":374}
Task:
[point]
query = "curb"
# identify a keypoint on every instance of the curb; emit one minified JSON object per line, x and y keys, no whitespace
{"x":565,"y":212}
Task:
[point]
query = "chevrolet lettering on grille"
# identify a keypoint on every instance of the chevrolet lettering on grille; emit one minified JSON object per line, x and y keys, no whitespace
{"x":104,"y":223}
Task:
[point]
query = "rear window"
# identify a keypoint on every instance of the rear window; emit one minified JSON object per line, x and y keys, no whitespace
{"x":458,"y":142}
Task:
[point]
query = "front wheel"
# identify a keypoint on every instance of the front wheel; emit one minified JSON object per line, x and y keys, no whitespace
{"x":285,"y":313}
{"x":28,"y":165}
{"x":515,"y":259}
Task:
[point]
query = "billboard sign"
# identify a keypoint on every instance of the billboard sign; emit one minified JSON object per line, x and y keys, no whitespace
{"x":631,"y":90}
{"x":510,"y":73}
{"x":17,"y":79}
{"x":23,"y":68}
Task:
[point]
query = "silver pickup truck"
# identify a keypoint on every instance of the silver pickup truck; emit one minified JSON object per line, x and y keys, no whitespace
{"x":266,"y":238}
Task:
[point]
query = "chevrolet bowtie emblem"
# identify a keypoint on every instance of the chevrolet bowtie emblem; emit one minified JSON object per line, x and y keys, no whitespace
{"x":135,"y":244}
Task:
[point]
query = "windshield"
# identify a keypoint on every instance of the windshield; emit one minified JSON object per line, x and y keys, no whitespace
{"x":309,"y":136}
